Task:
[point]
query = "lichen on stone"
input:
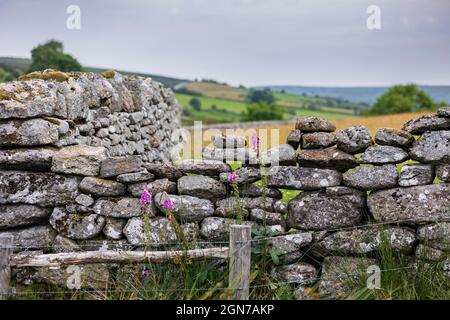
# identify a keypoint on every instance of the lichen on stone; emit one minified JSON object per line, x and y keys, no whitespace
{"x":48,"y":74}
{"x":6,"y":95}
{"x":109,"y":74}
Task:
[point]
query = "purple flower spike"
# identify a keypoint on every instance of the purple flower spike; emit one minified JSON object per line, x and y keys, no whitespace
{"x":232,"y":177}
{"x":145,"y":273}
{"x":168,"y":204}
{"x":146,"y":197}
{"x":255,"y":141}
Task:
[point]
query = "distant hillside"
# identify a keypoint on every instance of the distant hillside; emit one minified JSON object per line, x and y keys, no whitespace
{"x":17,"y":66}
{"x":221,"y":103}
{"x":358,"y":94}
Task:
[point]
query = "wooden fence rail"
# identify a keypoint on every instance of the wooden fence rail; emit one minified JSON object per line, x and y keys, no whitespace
{"x":238,"y":253}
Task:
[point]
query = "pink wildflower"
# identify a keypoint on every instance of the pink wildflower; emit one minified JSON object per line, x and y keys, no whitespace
{"x":232,"y":177}
{"x":145,"y":273}
{"x":146,"y":197}
{"x":168,"y":204}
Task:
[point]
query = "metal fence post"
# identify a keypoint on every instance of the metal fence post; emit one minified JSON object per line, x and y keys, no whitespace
{"x":239,"y":264}
{"x":6,"y":249}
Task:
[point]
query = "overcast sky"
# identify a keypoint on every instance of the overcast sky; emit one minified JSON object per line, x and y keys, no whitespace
{"x":250,"y":42}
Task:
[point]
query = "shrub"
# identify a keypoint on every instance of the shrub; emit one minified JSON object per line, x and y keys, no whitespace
{"x":263,"y":111}
{"x":402,"y":98}
{"x":195,"y":103}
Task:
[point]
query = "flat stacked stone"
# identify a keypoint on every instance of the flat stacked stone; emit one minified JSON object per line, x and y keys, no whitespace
{"x":113,"y":228}
{"x":427,"y":253}
{"x":158,"y":232}
{"x":294,"y":138}
{"x":436,"y":235}
{"x":203,"y":187}
{"x":204,"y":167}
{"x":300,"y":273}
{"x":289,"y":246}
{"x":218,"y":229}
{"x":229,"y":207}
{"x":255,"y":191}
{"x":34,"y":159}
{"x":416,"y":175}
{"x":114,"y":166}
{"x":19,"y":215}
{"x":443,"y":172}
{"x":27,"y":133}
{"x":393,"y":137}
{"x":79,"y":160}
{"x":245,"y":175}
{"x":354,"y":140}
{"x":331,"y":208}
{"x":314,"y":124}
{"x":84,"y":200}
{"x":135,"y":177}
{"x":240,"y":154}
{"x":318,"y":140}
{"x":372,"y":178}
{"x":432,"y":147}
{"x":120,"y":207}
{"x":329,"y":158}
{"x":284,"y":154}
{"x":280,"y":206}
{"x":186,"y":208}
{"x":267,"y":218}
{"x":339,"y":275}
{"x":366,"y":240}
{"x":32,"y":237}
{"x":425,"y":123}
{"x":379,"y":155}
{"x":75,"y":226}
{"x":164,"y":171}
{"x":44,"y":189}
{"x":411,"y":205}
{"x":444,"y":112}
{"x":102,"y":187}
{"x":299,"y":178}
{"x":154,"y":187}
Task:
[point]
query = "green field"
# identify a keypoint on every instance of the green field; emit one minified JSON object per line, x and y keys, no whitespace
{"x":232,"y":110}
{"x":207,"y":103}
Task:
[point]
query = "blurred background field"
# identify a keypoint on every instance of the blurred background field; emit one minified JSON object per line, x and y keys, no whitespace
{"x":373,"y":123}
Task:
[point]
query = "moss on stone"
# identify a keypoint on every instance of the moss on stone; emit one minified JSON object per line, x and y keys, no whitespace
{"x":109,"y":74}
{"x":6,"y":95}
{"x":55,"y":121}
{"x":46,"y":75}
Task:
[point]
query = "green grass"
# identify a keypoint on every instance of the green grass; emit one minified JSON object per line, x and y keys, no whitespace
{"x":228,"y":105}
{"x":320,"y":101}
{"x":403,"y":279}
{"x":227,"y":111}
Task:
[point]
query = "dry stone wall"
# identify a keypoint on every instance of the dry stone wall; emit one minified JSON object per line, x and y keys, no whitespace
{"x":66,"y":185}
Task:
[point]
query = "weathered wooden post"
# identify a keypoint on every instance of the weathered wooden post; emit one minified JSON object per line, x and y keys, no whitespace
{"x":6,"y":249}
{"x":239,"y":264}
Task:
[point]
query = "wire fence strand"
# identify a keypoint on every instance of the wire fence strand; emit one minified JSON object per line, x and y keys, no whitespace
{"x":109,"y":245}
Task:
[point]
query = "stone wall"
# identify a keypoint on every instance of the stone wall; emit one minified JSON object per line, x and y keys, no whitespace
{"x":55,"y":196}
{"x":126,"y":115}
